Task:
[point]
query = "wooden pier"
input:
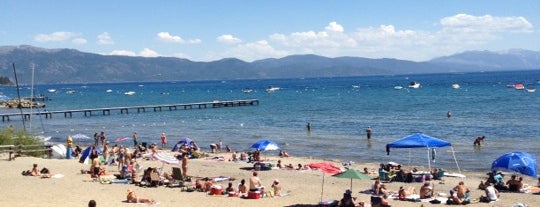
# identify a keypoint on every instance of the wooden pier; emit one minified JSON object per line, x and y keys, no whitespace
{"x":139,"y":109}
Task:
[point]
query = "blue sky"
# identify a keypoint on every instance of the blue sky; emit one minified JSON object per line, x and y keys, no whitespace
{"x":205,"y":30}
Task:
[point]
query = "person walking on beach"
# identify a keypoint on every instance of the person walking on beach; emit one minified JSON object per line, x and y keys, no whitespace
{"x":135,"y":140}
{"x":184,"y":164}
{"x":163,"y":141}
{"x":96,"y":139}
{"x":103,"y":138}
{"x":368,"y":132}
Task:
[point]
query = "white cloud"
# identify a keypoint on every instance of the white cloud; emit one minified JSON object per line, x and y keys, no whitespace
{"x":487,"y":23}
{"x":228,"y":39}
{"x":54,"y":37}
{"x":166,"y":37}
{"x":123,"y":53}
{"x":105,"y":39}
{"x":79,"y":41}
{"x":146,"y":52}
{"x":334,"y":27}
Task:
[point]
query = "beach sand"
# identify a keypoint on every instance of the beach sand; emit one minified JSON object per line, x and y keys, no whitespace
{"x":303,"y":188}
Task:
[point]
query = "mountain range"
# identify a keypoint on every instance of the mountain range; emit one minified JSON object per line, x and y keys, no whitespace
{"x":62,"y":66}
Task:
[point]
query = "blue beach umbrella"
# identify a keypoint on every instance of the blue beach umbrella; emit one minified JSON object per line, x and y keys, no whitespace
{"x":86,"y":152}
{"x":265,"y":145}
{"x":520,"y":162}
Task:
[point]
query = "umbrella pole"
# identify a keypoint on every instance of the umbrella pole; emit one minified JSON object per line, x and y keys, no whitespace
{"x":322,"y":190}
{"x":351,"y":184}
{"x":454,"y":154}
{"x":428,"y":161}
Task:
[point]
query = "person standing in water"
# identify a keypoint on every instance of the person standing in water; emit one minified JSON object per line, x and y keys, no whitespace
{"x":308,"y":127}
{"x":368,"y":132}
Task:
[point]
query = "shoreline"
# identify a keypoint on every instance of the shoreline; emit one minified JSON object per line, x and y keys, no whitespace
{"x":303,"y":188}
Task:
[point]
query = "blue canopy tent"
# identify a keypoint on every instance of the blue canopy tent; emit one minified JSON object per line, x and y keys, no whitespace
{"x":419,"y":140}
{"x":186,"y":141}
{"x":86,"y":152}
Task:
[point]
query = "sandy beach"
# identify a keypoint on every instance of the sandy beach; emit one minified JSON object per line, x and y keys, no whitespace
{"x":68,"y":187}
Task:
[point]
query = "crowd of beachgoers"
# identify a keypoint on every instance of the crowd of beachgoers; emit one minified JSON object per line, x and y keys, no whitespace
{"x":141,"y":173}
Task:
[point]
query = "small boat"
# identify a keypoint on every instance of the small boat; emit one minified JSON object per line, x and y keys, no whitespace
{"x":510,"y":85}
{"x":51,"y":90}
{"x":109,"y":91}
{"x":519,"y":86}
{"x":129,"y":93}
{"x":247,"y":90}
{"x":43,"y":138}
{"x":272,"y":89}
{"x":530,"y":89}
{"x":70,"y":91}
{"x":414,"y":85}
{"x":455,"y":86}
{"x":356,"y":86}
{"x":398,"y":87}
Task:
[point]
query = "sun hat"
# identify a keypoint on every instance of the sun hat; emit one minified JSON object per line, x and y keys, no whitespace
{"x":276,"y":181}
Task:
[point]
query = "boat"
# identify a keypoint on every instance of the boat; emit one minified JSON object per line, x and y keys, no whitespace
{"x":109,"y":90}
{"x":455,"y":86}
{"x":247,"y":90}
{"x":355,"y":86}
{"x":70,"y":91}
{"x":398,"y":87}
{"x":414,"y":85}
{"x":531,"y":90}
{"x":129,"y":93}
{"x":510,"y":85}
{"x":272,"y":89}
{"x":51,"y":90}
{"x":519,"y":86}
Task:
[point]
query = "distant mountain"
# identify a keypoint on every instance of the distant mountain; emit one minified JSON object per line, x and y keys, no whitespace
{"x":515,"y":59}
{"x":73,"y":66}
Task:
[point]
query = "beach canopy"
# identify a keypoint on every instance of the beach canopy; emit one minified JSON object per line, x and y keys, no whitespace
{"x":186,"y":141}
{"x":265,"y":145}
{"x":419,"y":140}
{"x":520,"y":162}
{"x":80,"y":136}
{"x":353,"y":174}
{"x":86,"y":152}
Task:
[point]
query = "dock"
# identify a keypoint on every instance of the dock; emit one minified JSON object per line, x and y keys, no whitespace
{"x":128,"y":109}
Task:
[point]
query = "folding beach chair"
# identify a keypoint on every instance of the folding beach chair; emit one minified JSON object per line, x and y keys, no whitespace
{"x":154,"y":179}
{"x":177,"y":179}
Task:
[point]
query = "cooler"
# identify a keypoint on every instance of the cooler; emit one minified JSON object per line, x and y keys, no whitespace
{"x":254,"y":194}
{"x":215,"y":190}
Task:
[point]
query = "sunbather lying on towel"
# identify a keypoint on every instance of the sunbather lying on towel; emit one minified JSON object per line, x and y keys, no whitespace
{"x":132,"y":198}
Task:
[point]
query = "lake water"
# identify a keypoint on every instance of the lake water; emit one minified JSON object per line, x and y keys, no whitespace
{"x":338,"y":112}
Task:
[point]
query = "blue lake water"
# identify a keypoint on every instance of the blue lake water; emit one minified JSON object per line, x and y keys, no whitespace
{"x":338,"y":113}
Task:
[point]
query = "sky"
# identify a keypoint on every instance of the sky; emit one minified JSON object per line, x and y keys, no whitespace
{"x":208,"y":30}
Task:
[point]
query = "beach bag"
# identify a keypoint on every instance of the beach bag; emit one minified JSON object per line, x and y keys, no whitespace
{"x":44,"y":171}
{"x":435,"y":201}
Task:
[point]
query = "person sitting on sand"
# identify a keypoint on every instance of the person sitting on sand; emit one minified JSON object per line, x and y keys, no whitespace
{"x":279,"y":165}
{"x":426,"y":191}
{"x":492,"y":194}
{"x":276,"y":187}
{"x":35,"y":171}
{"x":384,"y":201}
{"x":133,"y":198}
{"x":347,"y":200}
{"x":403,"y":193}
{"x":229,"y":188}
{"x":513,"y":184}
{"x":461,"y":193}
{"x":242,"y":189}
{"x":255,"y":184}
{"x":376,"y":186}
